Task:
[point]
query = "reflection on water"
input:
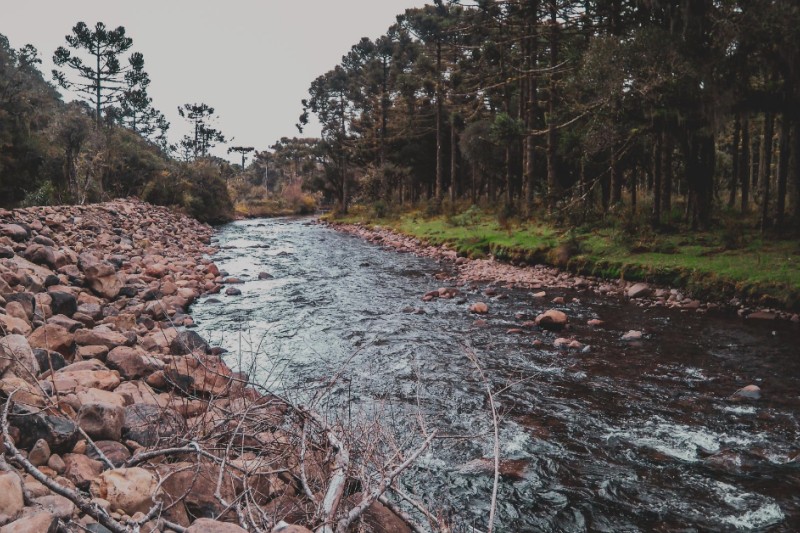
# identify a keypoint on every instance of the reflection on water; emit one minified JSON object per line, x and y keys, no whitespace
{"x":620,"y":437}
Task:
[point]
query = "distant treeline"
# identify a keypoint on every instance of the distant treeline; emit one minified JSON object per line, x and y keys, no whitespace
{"x":557,"y":105}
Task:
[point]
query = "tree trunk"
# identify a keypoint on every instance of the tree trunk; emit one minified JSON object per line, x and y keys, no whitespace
{"x":633,"y":178}
{"x":657,"y":157}
{"x":453,"y":159}
{"x":439,"y":159}
{"x":552,"y":178}
{"x":744,"y":166}
{"x":765,"y":168}
{"x":737,"y":128}
{"x":532,"y":108}
{"x":795,"y":172}
{"x":700,"y":160}
{"x":666,"y":169}
{"x":783,"y":168}
{"x":615,"y":177}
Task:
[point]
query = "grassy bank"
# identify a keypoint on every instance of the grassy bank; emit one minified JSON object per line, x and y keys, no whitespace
{"x":712,"y":265}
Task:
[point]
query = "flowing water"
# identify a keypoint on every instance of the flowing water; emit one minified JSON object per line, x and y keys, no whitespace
{"x":618,"y":437}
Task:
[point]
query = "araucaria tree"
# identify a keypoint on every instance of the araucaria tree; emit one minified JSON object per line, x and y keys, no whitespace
{"x":99,"y":78}
{"x":204,"y":136}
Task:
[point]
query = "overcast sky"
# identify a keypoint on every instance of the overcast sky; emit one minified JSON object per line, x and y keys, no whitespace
{"x":252,"y":60}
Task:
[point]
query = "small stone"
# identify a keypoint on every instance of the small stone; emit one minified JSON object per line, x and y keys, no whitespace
{"x":639,"y":290}
{"x":632,"y":335}
{"x":750,"y":392}
{"x":552,"y":319}
{"x":233,"y":291}
{"x":479,"y":308}
{"x":40,"y":453}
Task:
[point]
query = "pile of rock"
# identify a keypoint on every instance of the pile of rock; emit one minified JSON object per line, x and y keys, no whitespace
{"x":119,"y":417}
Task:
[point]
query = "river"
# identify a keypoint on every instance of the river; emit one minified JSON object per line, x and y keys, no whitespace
{"x":617,"y":437}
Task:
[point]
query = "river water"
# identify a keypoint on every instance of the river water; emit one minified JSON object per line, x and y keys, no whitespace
{"x":618,"y":437}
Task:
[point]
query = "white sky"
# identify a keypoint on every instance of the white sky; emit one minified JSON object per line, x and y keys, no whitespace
{"x":252,"y":60}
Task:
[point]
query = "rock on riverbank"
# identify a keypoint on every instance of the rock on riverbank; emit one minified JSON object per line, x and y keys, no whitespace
{"x":118,"y":414}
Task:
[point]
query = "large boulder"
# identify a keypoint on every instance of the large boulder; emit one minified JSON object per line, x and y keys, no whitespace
{"x":638,"y":290}
{"x":129,"y":490}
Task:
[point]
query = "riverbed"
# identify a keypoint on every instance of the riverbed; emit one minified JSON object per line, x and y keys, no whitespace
{"x":614,"y":436}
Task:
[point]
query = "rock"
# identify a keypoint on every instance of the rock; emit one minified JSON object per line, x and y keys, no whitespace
{"x":81,"y":470}
{"x":130,"y":363}
{"x":16,"y":357}
{"x":187,"y":342}
{"x":86,"y":374}
{"x":129,"y":490}
{"x":207,"y":525}
{"x":479,"y":308}
{"x":56,"y":505}
{"x":14,"y":325}
{"x":233,"y":291}
{"x":265,"y":275}
{"x":67,"y":323}
{"x":57,"y":464}
{"x":762,"y":315}
{"x":101,"y":277}
{"x":60,"y":433}
{"x":41,"y":522}
{"x":204,"y":375}
{"x":632,"y":335}
{"x":45,"y":255}
{"x":25,"y":393}
{"x":552,"y":319}
{"x":40,"y":453}
{"x":101,"y":421}
{"x":49,"y":360}
{"x":116,"y":452}
{"x":11,"y":498}
{"x":639,"y":290}
{"x":15,"y":232}
{"x":63,"y":303}
{"x":595,"y":322}
{"x":750,"y":392}
{"x":149,"y":424}
{"x":100,"y":336}
{"x":378,"y":517}
{"x":52,"y":337}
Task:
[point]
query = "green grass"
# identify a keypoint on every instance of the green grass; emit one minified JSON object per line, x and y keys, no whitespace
{"x":763,"y":272}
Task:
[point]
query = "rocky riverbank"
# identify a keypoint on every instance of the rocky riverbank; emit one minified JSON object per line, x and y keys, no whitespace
{"x":116,"y":417}
{"x":541,"y":278}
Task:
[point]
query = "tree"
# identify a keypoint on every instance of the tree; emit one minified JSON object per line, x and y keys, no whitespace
{"x":204,"y":136}
{"x":100,"y":80}
{"x":244,"y":150}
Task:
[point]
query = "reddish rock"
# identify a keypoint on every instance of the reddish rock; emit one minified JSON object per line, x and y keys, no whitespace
{"x":552,"y":319}
{"x":53,"y":337}
{"x":81,"y":470}
{"x":479,"y":308}
{"x":638,"y":290}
